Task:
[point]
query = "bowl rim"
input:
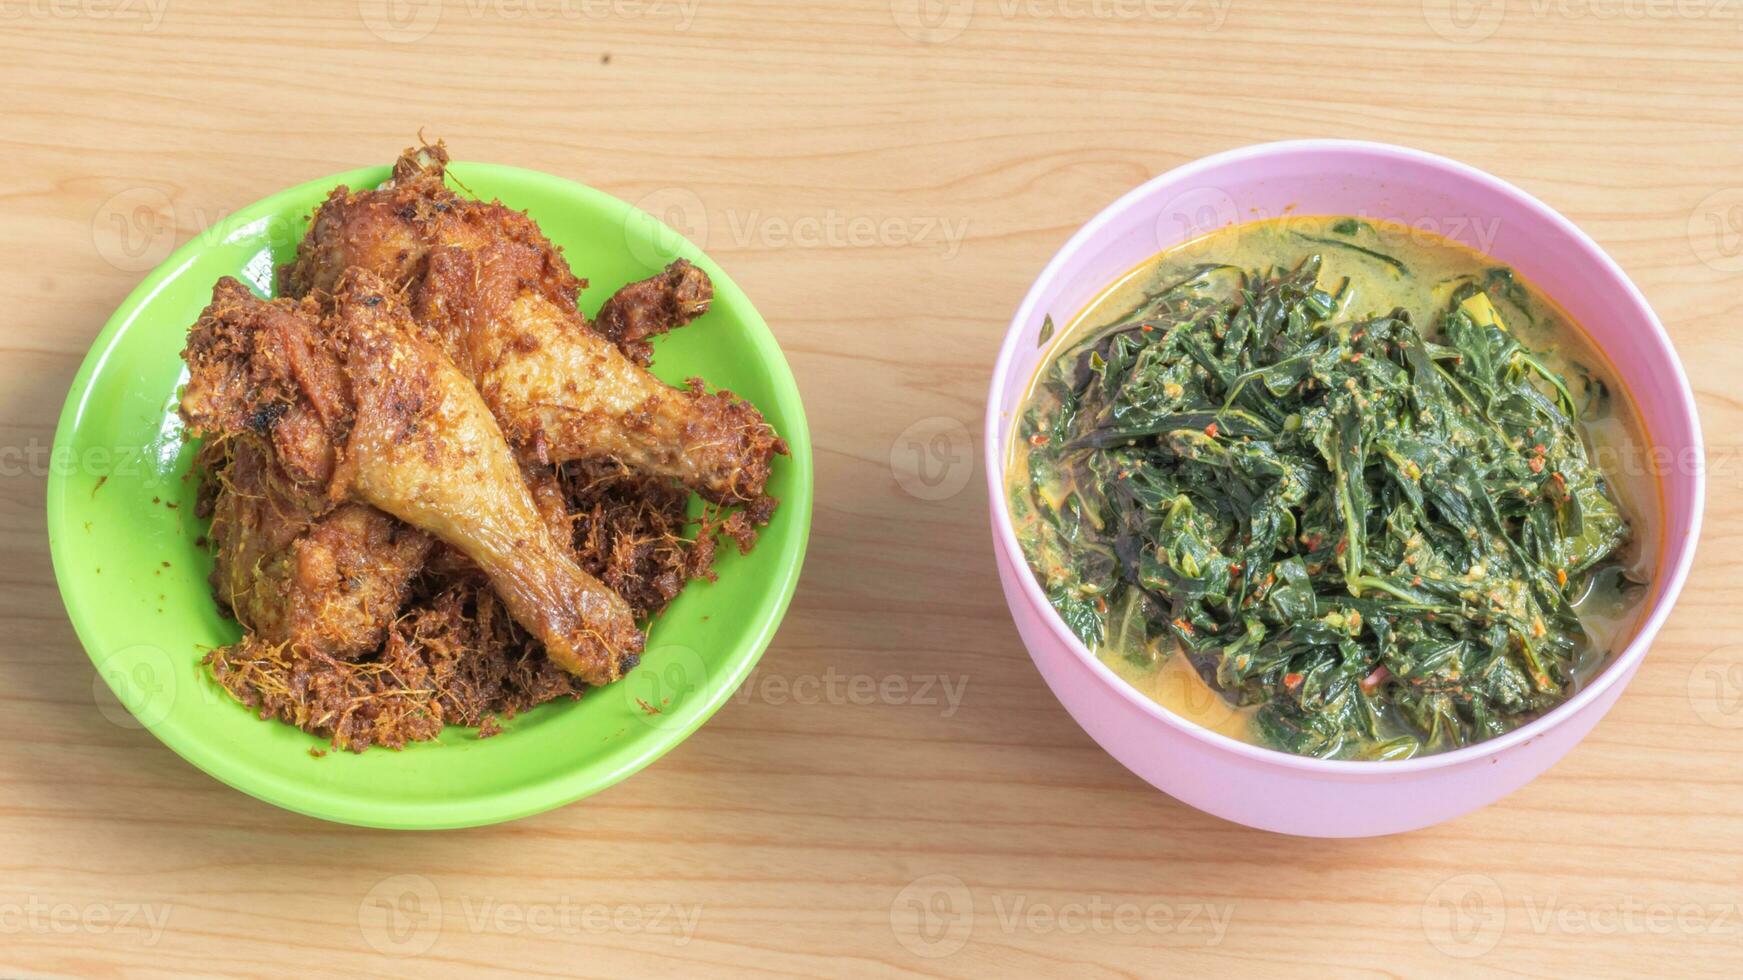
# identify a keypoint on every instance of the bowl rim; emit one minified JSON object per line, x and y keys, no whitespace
{"x":522,"y":801}
{"x":1680,"y":553}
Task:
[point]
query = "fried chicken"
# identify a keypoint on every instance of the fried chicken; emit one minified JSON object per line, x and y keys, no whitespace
{"x":353,"y":401}
{"x":295,"y":570}
{"x":494,"y":294}
{"x":438,"y":494}
{"x":270,"y":370}
{"x":289,"y":565}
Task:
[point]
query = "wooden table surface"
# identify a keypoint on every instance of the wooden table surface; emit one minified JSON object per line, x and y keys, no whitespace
{"x":885,"y":178}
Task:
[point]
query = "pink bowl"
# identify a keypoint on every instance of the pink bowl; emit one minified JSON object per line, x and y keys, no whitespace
{"x":1261,"y":787}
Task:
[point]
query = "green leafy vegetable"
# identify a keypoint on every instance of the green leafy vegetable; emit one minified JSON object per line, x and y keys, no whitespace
{"x":1398,"y":268}
{"x":1373,"y":532}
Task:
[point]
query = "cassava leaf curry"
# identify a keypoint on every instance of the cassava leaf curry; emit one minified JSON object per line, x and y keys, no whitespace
{"x":1335,"y":487}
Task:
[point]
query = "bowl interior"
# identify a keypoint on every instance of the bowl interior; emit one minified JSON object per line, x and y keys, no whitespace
{"x":133,"y":573}
{"x":1417,"y":190}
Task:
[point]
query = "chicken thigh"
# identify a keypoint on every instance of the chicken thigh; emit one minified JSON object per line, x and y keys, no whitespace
{"x":294,"y":570}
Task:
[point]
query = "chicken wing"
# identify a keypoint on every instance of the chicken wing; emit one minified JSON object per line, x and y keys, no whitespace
{"x":487,"y":287}
{"x":391,"y":423}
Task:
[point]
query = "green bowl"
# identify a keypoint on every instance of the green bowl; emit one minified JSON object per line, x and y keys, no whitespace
{"x":132,"y":569}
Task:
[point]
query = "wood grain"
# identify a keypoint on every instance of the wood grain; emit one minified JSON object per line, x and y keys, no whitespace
{"x":789,"y":837}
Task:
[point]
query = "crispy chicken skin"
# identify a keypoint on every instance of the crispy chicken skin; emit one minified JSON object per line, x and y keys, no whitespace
{"x":327,"y":581}
{"x":389,"y":422}
{"x":391,"y":231}
{"x":488,"y":289}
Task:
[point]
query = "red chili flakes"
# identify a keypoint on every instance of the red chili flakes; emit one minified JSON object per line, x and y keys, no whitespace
{"x":1183,"y":626}
{"x":1292,"y":681}
{"x":1536,"y":464}
{"x":1038,"y":439}
{"x":1210,"y":430}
